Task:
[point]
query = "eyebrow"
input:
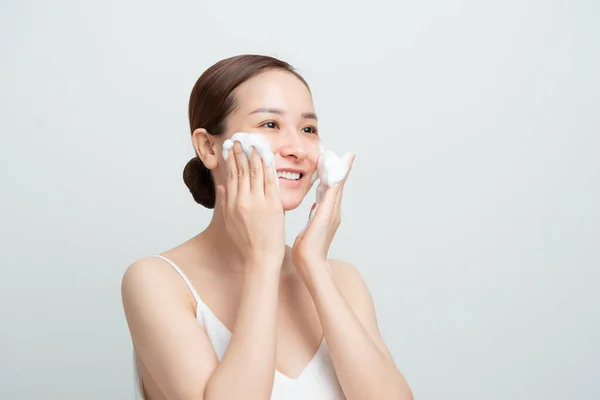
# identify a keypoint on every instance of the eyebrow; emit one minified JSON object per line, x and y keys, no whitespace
{"x":271,"y":110}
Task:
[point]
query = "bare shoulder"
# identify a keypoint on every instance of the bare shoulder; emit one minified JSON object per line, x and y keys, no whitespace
{"x":351,"y":283}
{"x":142,"y":270}
{"x":169,"y":342}
{"x":344,"y":271}
{"x":346,"y":276}
{"x":354,"y":290}
{"x":149,"y":280}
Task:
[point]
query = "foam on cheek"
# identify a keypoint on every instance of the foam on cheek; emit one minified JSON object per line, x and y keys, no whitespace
{"x":249,"y":141}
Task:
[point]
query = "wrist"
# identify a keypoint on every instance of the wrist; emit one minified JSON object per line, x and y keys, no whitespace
{"x":316,"y":276}
{"x":310,"y":263}
{"x":311,"y":268}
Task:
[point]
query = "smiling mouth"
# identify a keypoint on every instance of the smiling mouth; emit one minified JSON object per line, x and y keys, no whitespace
{"x":289,"y":175}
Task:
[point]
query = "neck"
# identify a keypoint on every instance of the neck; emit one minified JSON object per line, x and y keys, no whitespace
{"x":216,"y":240}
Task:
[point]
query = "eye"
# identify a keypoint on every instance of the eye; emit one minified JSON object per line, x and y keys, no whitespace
{"x":310,"y":129}
{"x":270,"y":125}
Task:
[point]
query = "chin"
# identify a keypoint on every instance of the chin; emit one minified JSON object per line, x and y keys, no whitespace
{"x":290,"y":200}
{"x":292,"y":194}
{"x":290,"y":204}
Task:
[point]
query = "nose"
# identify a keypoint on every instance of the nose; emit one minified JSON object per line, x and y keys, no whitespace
{"x":291,"y":146}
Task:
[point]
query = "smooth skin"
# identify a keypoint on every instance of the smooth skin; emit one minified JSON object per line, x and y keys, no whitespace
{"x":279,"y":302}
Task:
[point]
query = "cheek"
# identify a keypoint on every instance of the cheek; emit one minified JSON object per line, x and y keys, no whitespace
{"x":313,"y":149}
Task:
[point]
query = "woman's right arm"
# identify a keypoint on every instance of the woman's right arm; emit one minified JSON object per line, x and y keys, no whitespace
{"x":168,"y":339}
{"x":248,"y":367}
{"x":176,"y":351}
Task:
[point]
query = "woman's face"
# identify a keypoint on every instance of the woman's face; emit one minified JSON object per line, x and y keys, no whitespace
{"x":279,"y":106}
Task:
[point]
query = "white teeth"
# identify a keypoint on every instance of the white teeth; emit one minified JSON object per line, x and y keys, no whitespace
{"x":293,"y":176}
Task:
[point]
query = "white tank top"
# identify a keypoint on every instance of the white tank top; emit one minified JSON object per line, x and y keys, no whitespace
{"x":317,"y":381}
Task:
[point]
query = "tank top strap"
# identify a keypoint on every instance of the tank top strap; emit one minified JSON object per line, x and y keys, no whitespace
{"x":185,"y":278}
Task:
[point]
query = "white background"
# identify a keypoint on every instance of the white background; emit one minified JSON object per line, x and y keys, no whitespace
{"x":472,"y":210}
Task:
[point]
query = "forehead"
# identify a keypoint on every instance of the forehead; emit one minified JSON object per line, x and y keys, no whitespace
{"x":274,"y":88}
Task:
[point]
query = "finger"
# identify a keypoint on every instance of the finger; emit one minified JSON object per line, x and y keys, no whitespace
{"x":338,"y":198}
{"x":242,"y":168}
{"x":257,"y":180}
{"x":331,"y":194}
{"x":221,"y":199}
{"x":312,"y":208}
{"x":331,"y":207}
{"x":350,"y":163}
{"x":311,"y":213}
{"x":270,"y":177}
{"x":232,"y":177}
{"x":327,"y":206}
{"x":342,"y":184}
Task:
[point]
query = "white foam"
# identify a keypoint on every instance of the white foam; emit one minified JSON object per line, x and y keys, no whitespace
{"x":249,"y":141}
{"x":331,"y":169}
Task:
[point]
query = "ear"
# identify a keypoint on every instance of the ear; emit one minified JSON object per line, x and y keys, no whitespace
{"x":205,"y":146}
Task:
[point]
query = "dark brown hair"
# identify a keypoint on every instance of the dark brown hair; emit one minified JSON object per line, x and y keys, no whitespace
{"x":212,"y":100}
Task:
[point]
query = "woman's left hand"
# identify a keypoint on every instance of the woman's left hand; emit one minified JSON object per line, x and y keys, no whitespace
{"x":312,"y":245}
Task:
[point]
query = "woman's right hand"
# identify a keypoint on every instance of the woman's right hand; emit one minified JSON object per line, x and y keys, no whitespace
{"x":252,"y":210}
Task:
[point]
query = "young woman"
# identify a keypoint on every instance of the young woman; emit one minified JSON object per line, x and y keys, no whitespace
{"x":234,"y":313}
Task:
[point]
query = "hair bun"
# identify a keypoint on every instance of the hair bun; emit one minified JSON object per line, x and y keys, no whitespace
{"x":199,"y":181}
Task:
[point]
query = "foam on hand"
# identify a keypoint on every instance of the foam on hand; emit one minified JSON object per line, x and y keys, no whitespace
{"x":249,"y":141}
{"x":331,"y":169}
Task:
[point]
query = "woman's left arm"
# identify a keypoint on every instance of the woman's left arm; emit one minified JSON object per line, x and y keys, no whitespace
{"x":361,"y":359}
{"x":362,"y":362}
